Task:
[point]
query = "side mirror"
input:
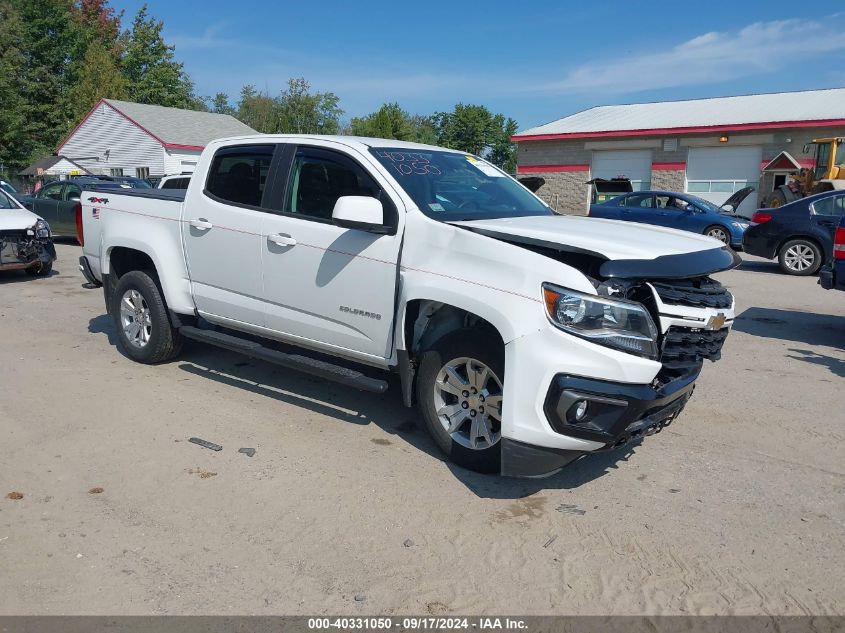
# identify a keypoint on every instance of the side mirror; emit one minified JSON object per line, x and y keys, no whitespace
{"x":729,"y":208}
{"x":360,"y":212}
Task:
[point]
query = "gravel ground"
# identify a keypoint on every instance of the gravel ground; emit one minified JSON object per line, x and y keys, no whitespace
{"x":347,"y":507}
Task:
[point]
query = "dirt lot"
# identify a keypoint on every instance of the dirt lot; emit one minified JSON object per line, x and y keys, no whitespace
{"x":346,"y":506}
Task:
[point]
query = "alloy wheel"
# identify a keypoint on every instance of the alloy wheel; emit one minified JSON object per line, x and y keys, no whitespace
{"x":719,"y":234}
{"x":468,"y":402}
{"x":799,"y":258}
{"x":135,"y":318}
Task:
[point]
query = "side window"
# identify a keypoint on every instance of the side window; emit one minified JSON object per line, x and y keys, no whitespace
{"x":319,"y":177}
{"x":72,"y":192}
{"x":176,"y":183}
{"x":52,"y":191}
{"x":639,"y":200}
{"x":239,"y":174}
{"x":834,"y":205}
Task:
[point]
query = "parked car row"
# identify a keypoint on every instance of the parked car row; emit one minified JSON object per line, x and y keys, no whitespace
{"x":799,"y":235}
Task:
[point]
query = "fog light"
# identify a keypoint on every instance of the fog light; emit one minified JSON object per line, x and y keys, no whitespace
{"x":579,"y":410}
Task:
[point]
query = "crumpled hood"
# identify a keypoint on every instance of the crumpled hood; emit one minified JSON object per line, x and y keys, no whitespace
{"x":16,"y":219}
{"x":611,"y":239}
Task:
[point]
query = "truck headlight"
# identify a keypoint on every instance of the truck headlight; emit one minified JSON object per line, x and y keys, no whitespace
{"x":42,"y":229}
{"x":622,"y":325}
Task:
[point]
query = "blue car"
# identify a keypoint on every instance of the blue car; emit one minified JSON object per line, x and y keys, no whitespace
{"x":679,"y":211}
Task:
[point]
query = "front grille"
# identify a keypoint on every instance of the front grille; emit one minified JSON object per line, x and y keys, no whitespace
{"x":703,"y":292}
{"x":685,"y":348}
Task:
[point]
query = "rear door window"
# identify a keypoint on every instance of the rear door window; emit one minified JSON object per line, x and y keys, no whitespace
{"x":834,"y":205}
{"x":238,"y":174}
{"x":640,"y":201}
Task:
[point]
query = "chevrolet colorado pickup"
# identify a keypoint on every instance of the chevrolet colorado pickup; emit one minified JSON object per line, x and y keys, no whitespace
{"x":526,"y":339}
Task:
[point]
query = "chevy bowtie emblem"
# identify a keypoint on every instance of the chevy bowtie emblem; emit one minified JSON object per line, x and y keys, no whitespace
{"x":716,"y":322}
{"x":99,"y":200}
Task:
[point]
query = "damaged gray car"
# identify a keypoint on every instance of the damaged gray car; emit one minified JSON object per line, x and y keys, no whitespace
{"x":26,"y":242}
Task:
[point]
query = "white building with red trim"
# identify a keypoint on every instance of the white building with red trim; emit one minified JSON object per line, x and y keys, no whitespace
{"x":122,"y":138}
{"x":707,"y":147}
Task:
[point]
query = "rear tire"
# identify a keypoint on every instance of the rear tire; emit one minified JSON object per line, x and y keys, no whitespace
{"x":800,"y":258}
{"x":144,"y":331}
{"x":459,"y":388}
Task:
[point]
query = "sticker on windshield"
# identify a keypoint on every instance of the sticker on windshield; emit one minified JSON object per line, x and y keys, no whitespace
{"x":485,"y":168}
{"x":436,"y":206}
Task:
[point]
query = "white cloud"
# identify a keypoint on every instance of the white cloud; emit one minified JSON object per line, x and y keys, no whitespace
{"x":714,"y":57}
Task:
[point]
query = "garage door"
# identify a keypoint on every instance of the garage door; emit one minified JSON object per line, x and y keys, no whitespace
{"x":714,"y":173}
{"x":633,"y":164}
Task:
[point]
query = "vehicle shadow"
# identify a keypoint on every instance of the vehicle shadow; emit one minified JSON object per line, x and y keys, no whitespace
{"x":793,"y":325}
{"x":18,"y":276}
{"x":761,"y":266}
{"x":835,"y":365}
{"x":350,"y":406}
{"x":104,"y":324}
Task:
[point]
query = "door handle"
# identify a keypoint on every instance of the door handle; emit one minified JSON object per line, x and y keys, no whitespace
{"x":201,"y":224}
{"x":282,"y":239}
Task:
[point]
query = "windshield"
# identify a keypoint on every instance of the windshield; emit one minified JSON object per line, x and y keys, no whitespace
{"x":448,"y":186}
{"x":707,"y":205}
{"x":6,"y":201}
{"x":5,"y":186}
{"x":822,"y":157}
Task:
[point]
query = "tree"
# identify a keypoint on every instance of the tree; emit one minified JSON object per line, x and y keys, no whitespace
{"x":257,"y":110}
{"x":100,"y":78}
{"x":301,"y":112}
{"x":14,"y":140}
{"x":474,"y":129}
{"x":151,"y":72}
{"x":45,"y":36}
{"x":219,"y":103}
{"x":389,"y":121}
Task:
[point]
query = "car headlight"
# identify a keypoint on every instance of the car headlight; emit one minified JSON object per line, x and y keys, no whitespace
{"x":622,"y":325}
{"x":740,"y":225}
{"x":42,"y":229}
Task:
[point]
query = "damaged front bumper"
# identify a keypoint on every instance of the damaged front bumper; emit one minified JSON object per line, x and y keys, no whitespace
{"x":22,"y":249}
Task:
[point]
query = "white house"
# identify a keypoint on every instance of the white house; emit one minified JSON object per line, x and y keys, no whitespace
{"x":53,"y":166}
{"x":121,"y":138}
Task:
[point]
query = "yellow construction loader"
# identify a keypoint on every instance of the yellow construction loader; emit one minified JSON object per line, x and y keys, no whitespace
{"x":828,"y":174}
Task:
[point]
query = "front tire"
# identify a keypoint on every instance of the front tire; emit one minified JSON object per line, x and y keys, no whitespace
{"x":42,"y":269}
{"x":144,"y":331}
{"x":719,"y":232}
{"x":800,"y":258}
{"x":459,"y":394}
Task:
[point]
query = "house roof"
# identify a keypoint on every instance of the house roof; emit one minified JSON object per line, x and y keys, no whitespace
{"x":175,"y":128}
{"x":810,"y":108}
{"x":45,"y":164}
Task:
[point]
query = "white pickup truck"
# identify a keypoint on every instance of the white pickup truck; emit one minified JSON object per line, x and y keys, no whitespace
{"x":526,"y":339}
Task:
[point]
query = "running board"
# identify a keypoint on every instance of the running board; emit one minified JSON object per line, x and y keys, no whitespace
{"x":322,"y":369}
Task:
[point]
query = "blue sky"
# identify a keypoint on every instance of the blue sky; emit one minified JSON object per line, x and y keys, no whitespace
{"x":535,"y":64}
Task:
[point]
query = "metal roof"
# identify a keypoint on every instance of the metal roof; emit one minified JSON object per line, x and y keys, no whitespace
{"x":748,"y":111}
{"x":178,"y":127}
